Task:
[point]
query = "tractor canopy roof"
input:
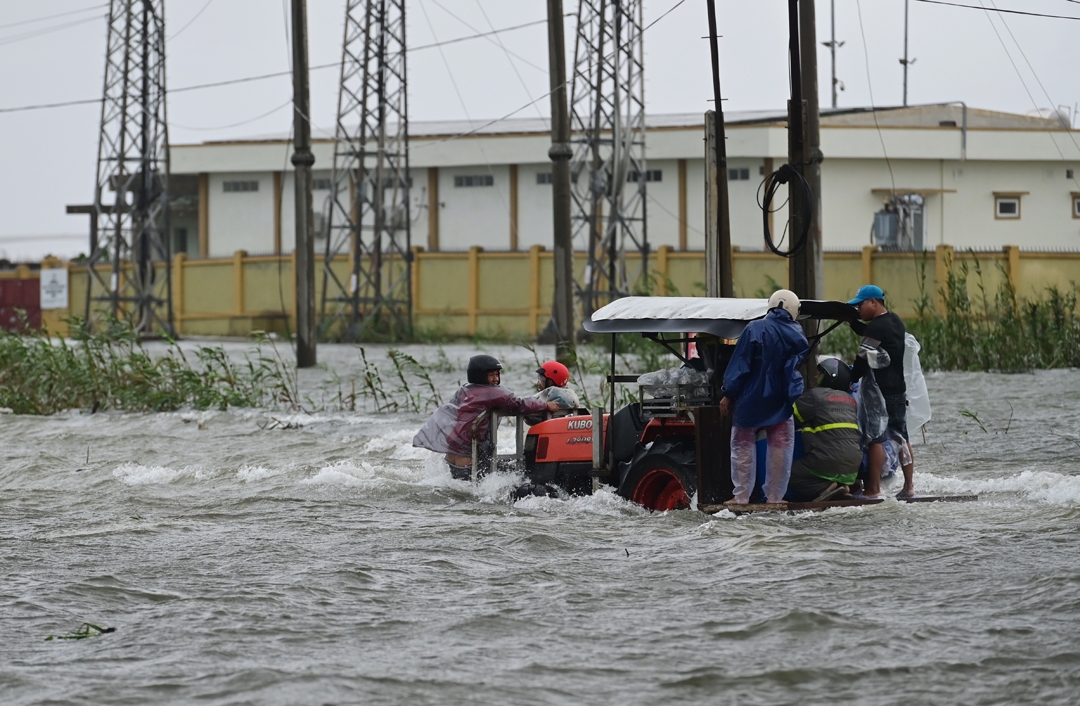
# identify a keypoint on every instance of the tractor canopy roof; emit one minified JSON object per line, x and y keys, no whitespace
{"x":721,"y":317}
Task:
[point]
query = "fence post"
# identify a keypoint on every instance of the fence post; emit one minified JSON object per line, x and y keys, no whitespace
{"x":474,"y":286}
{"x":1012,"y":266}
{"x":868,"y":263}
{"x":238,"y":281}
{"x":662,"y":267}
{"x":178,"y":291}
{"x":414,"y":281}
{"x":534,"y":289}
{"x":943,"y":260}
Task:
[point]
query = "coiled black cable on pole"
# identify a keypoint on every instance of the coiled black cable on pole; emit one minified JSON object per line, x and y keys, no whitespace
{"x":772,"y":182}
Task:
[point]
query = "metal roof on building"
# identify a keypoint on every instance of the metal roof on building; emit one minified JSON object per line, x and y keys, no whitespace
{"x":945,"y":116}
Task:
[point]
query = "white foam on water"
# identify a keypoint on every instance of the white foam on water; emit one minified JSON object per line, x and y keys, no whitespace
{"x":359,"y":472}
{"x":334,"y":476}
{"x":253,"y":473}
{"x":397,"y":445}
{"x":1040,"y":486}
{"x":604,"y":502}
{"x":138,"y":474}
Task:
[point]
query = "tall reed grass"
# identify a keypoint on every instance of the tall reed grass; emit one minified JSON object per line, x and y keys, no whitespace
{"x":997,"y":331}
{"x":113,"y":370}
{"x":984,"y":330}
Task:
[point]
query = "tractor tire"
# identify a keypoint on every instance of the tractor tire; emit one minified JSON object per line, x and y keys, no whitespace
{"x":658,"y":482}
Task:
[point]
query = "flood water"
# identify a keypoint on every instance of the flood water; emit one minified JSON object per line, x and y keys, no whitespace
{"x":254,"y":556}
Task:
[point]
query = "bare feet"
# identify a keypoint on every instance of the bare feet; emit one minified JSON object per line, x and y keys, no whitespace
{"x":733,"y":501}
{"x":906,"y":492}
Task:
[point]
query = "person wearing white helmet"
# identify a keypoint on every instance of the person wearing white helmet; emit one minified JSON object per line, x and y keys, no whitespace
{"x":761,"y":382}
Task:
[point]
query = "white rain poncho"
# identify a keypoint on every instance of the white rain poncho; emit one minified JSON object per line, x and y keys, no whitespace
{"x":918,"y":399}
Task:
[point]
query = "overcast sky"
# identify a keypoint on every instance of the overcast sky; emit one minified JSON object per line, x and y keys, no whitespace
{"x":49,"y":155}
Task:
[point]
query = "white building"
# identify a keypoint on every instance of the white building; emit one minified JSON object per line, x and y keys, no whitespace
{"x":1001,"y":179}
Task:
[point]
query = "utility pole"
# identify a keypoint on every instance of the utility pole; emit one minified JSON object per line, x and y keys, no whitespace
{"x":796,"y":151}
{"x":905,"y":62}
{"x":809,"y":261}
{"x":302,"y":160}
{"x":804,"y":153}
{"x":719,"y":280}
{"x":833,"y":45}
{"x":562,"y":314}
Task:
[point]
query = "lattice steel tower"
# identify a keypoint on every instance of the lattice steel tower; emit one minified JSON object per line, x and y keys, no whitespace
{"x":368,"y":219}
{"x":129,"y":274}
{"x":607,"y":117}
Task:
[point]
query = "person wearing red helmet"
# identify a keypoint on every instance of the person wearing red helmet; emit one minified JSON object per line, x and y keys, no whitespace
{"x":552,"y":378}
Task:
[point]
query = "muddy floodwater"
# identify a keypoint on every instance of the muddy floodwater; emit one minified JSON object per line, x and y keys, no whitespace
{"x":256,"y":556}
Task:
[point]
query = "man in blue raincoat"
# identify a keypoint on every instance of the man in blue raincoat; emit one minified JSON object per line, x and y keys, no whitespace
{"x":761,"y":383}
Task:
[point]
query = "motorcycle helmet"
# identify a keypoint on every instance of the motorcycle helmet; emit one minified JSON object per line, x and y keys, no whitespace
{"x":480,"y":366}
{"x":834,"y":374}
{"x":555,"y":372}
{"x":786,"y":300}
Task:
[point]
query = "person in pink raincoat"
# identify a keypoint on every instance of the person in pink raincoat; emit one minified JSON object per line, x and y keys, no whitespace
{"x":450,"y":431}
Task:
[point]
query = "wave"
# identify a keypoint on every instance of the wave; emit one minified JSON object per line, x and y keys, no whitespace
{"x":1045,"y":487}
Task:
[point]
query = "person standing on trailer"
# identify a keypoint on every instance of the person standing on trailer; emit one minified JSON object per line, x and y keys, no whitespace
{"x":761,"y":382}
{"x":884,"y":331}
{"x":828,"y":418}
{"x":450,"y":430}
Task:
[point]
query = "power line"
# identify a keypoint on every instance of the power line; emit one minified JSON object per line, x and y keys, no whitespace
{"x":447,"y":11}
{"x":48,"y":30}
{"x":1024,"y":83}
{"x":276,"y":74}
{"x":191,"y":21}
{"x":53,"y":17}
{"x":242,"y":122}
{"x":996,"y":9}
{"x":873,"y":109}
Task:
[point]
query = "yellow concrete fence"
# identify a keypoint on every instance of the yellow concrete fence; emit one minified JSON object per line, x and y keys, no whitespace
{"x":508,"y":294}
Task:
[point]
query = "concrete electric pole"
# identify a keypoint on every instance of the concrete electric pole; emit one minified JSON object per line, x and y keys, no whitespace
{"x":302,"y":160}
{"x":905,"y":61}
{"x":560,"y":154}
{"x":719,"y":279}
{"x":833,"y":45}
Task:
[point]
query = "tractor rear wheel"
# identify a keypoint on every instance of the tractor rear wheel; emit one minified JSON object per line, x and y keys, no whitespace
{"x":660,"y":483}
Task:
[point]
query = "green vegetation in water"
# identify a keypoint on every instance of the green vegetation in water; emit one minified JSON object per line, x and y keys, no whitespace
{"x":999,"y":331}
{"x":111,"y":369}
{"x":982,"y":330}
{"x":82,"y":632}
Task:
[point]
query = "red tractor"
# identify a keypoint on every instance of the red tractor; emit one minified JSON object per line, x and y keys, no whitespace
{"x":674,"y":441}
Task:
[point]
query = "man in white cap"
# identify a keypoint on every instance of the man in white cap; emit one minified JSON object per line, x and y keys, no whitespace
{"x":761,"y":382}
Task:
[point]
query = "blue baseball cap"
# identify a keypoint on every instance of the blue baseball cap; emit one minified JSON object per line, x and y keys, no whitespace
{"x":867,"y":291}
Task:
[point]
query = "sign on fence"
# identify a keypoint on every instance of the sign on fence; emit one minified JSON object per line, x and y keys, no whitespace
{"x":54,"y":288}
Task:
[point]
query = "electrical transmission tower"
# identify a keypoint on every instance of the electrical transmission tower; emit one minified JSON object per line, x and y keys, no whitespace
{"x":368,"y":220}
{"x":607,"y":117}
{"x":128,"y":275}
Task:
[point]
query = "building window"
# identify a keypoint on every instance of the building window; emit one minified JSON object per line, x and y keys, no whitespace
{"x":1006,"y":207}
{"x":650,"y":175}
{"x":320,"y":184}
{"x":740,"y":174}
{"x":235,"y":187}
{"x":1076,"y":204}
{"x":544,"y":178}
{"x":474,"y":180}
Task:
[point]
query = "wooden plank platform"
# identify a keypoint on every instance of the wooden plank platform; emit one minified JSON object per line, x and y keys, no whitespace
{"x":826,"y":504}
